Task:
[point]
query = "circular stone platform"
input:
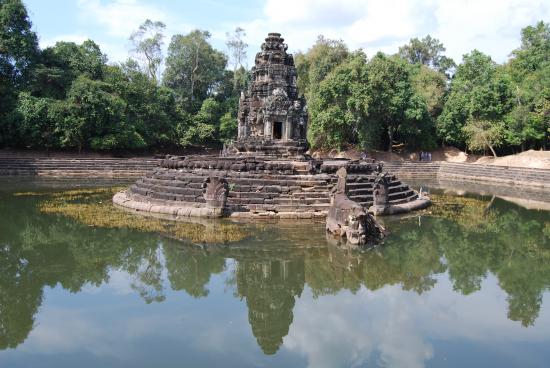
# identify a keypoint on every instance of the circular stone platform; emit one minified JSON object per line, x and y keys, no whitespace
{"x":260,"y":188}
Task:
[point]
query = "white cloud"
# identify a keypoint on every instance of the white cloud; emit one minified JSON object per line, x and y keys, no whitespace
{"x":492,"y":26}
{"x":399,"y":328}
{"x":77,"y":333}
{"x":353,"y":334}
{"x":121,"y":17}
{"x":309,"y":12}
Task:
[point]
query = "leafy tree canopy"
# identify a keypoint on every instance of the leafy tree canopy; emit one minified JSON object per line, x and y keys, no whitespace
{"x":314,"y":65}
{"x":427,"y":51}
{"x":193,"y":67}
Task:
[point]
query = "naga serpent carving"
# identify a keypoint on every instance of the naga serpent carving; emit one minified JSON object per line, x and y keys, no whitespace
{"x":349,"y":219}
{"x":214,"y":191}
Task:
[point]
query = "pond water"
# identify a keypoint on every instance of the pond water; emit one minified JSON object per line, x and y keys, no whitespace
{"x":465,"y":283}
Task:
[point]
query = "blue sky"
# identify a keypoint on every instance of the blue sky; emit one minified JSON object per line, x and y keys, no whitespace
{"x":492,"y":26}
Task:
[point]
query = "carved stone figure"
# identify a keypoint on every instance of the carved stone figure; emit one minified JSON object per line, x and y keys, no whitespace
{"x":349,"y":219}
{"x":380,"y":194}
{"x":214,"y":191}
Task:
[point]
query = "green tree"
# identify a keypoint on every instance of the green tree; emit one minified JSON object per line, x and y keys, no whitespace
{"x":314,"y":65}
{"x":61,"y":64}
{"x":203,"y":127}
{"x":482,"y":134}
{"x":147,"y":44}
{"x":431,"y":86}
{"x":479,"y":90}
{"x":237,"y":47}
{"x":150,"y":108}
{"x":528,"y":122}
{"x":395,"y":108}
{"x":534,"y":51}
{"x":18,"y":43}
{"x":338,"y":106}
{"x":228,"y":95}
{"x":427,"y":51}
{"x":96,"y":119}
{"x":228,"y":127}
{"x":39,"y":121}
{"x":529,"y":69}
{"x":18,"y":54}
{"x":193,"y":67}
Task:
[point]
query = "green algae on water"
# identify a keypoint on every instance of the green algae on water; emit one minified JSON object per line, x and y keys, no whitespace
{"x":93,"y":207}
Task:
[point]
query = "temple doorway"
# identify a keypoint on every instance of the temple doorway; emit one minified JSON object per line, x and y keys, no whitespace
{"x":278,"y":130}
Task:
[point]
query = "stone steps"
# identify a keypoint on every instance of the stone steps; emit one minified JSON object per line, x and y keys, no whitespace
{"x":470,"y":172}
{"x":409,"y":198}
{"x":75,"y":166}
{"x":362,"y":191}
{"x":496,"y":171}
{"x":393,"y":197}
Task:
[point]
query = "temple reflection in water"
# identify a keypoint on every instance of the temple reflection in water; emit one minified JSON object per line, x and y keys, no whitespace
{"x":271,"y":271}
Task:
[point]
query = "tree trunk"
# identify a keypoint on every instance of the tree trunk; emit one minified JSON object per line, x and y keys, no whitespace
{"x":493,"y":151}
{"x":196,"y":66}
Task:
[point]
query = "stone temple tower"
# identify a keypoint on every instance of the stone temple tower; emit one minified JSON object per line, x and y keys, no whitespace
{"x":272,"y":118}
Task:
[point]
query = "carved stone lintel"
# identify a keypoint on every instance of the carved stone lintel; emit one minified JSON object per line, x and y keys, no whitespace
{"x":214,"y":191}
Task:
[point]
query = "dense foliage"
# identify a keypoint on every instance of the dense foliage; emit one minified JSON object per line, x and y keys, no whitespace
{"x":419,"y":97}
{"x":68,"y":96}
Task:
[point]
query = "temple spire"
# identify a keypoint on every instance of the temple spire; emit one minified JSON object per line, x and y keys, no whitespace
{"x":270,"y":109}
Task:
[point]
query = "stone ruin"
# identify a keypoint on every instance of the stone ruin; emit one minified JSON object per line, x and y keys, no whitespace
{"x":266,"y":173}
{"x":348,"y":219}
{"x":272,"y":118}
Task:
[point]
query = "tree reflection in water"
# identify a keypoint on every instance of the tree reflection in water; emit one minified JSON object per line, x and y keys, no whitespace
{"x":463,"y":237}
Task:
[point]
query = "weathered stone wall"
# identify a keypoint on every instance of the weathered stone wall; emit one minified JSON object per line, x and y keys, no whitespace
{"x":495,"y":174}
{"x":492,"y":174}
{"x":263,"y":187}
{"x":76,"y":167}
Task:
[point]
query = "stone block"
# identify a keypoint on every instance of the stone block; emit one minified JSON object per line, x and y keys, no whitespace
{"x":256,"y":200}
{"x":273,"y":189}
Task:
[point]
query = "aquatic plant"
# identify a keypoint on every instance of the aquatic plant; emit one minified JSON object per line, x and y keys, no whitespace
{"x":93,"y":207}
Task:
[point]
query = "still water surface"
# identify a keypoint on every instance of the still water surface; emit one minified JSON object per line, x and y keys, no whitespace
{"x":464,"y":284}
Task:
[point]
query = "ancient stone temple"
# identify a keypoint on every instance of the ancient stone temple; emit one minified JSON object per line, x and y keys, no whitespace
{"x":266,"y":173}
{"x":272,"y":118}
